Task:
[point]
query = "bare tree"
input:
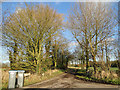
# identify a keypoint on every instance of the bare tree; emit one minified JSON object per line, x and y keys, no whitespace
{"x":92,"y":22}
{"x":27,"y":30}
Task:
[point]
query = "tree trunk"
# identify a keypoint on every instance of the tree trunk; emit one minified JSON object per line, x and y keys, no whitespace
{"x":119,"y":63}
{"x":55,"y":64}
{"x":10,"y":59}
{"x":95,"y":70}
{"x":87,"y":60}
{"x":15,"y":52}
{"x":102,"y":63}
{"x":95,"y":67}
{"x":107,"y":58}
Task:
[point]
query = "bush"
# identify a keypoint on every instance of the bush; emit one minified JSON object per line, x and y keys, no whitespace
{"x":89,"y":73}
{"x":114,"y":63}
{"x":76,"y":66}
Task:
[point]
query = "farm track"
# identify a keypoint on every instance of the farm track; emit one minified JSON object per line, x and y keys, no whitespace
{"x":68,"y":81}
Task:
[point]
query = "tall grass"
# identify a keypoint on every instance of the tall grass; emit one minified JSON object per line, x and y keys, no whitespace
{"x":33,"y":78}
{"x":5,"y":78}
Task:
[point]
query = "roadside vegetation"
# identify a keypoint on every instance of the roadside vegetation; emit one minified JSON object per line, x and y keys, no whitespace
{"x":102,"y":76}
{"x":30,"y":79}
{"x":81,"y":74}
{"x":35,"y":43}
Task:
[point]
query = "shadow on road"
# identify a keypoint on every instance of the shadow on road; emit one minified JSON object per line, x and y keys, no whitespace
{"x":68,"y":89}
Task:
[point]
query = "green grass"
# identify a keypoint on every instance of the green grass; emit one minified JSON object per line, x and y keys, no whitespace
{"x":111,"y":68}
{"x":114,"y":68}
{"x":93,"y":68}
{"x":108,"y":81}
{"x":81,"y":74}
{"x":99,"y":68}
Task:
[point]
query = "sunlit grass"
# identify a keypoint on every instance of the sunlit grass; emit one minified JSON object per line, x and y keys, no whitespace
{"x":32,"y":79}
{"x":113,"y":81}
{"x":99,"y":68}
{"x":114,"y":68}
{"x":5,"y":78}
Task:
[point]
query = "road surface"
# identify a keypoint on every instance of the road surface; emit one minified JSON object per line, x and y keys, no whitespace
{"x":69,"y":81}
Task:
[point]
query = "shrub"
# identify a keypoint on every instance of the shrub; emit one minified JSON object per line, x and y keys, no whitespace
{"x":114,"y":63}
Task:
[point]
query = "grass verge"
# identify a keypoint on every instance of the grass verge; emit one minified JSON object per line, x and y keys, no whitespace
{"x":32,"y":79}
{"x":106,"y":81}
{"x":81,"y":74}
{"x":36,"y":78}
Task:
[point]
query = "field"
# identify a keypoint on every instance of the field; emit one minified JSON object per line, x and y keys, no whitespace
{"x":111,"y":68}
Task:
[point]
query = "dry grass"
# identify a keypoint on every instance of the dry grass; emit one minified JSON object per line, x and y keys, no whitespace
{"x":34,"y":78}
{"x":0,"y":78}
{"x":5,"y":78}
{"x":75,"y":67}
{"x":31,"y":79}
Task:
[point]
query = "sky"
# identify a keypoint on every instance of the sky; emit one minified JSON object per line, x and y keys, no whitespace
{"x":61,"y":7}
